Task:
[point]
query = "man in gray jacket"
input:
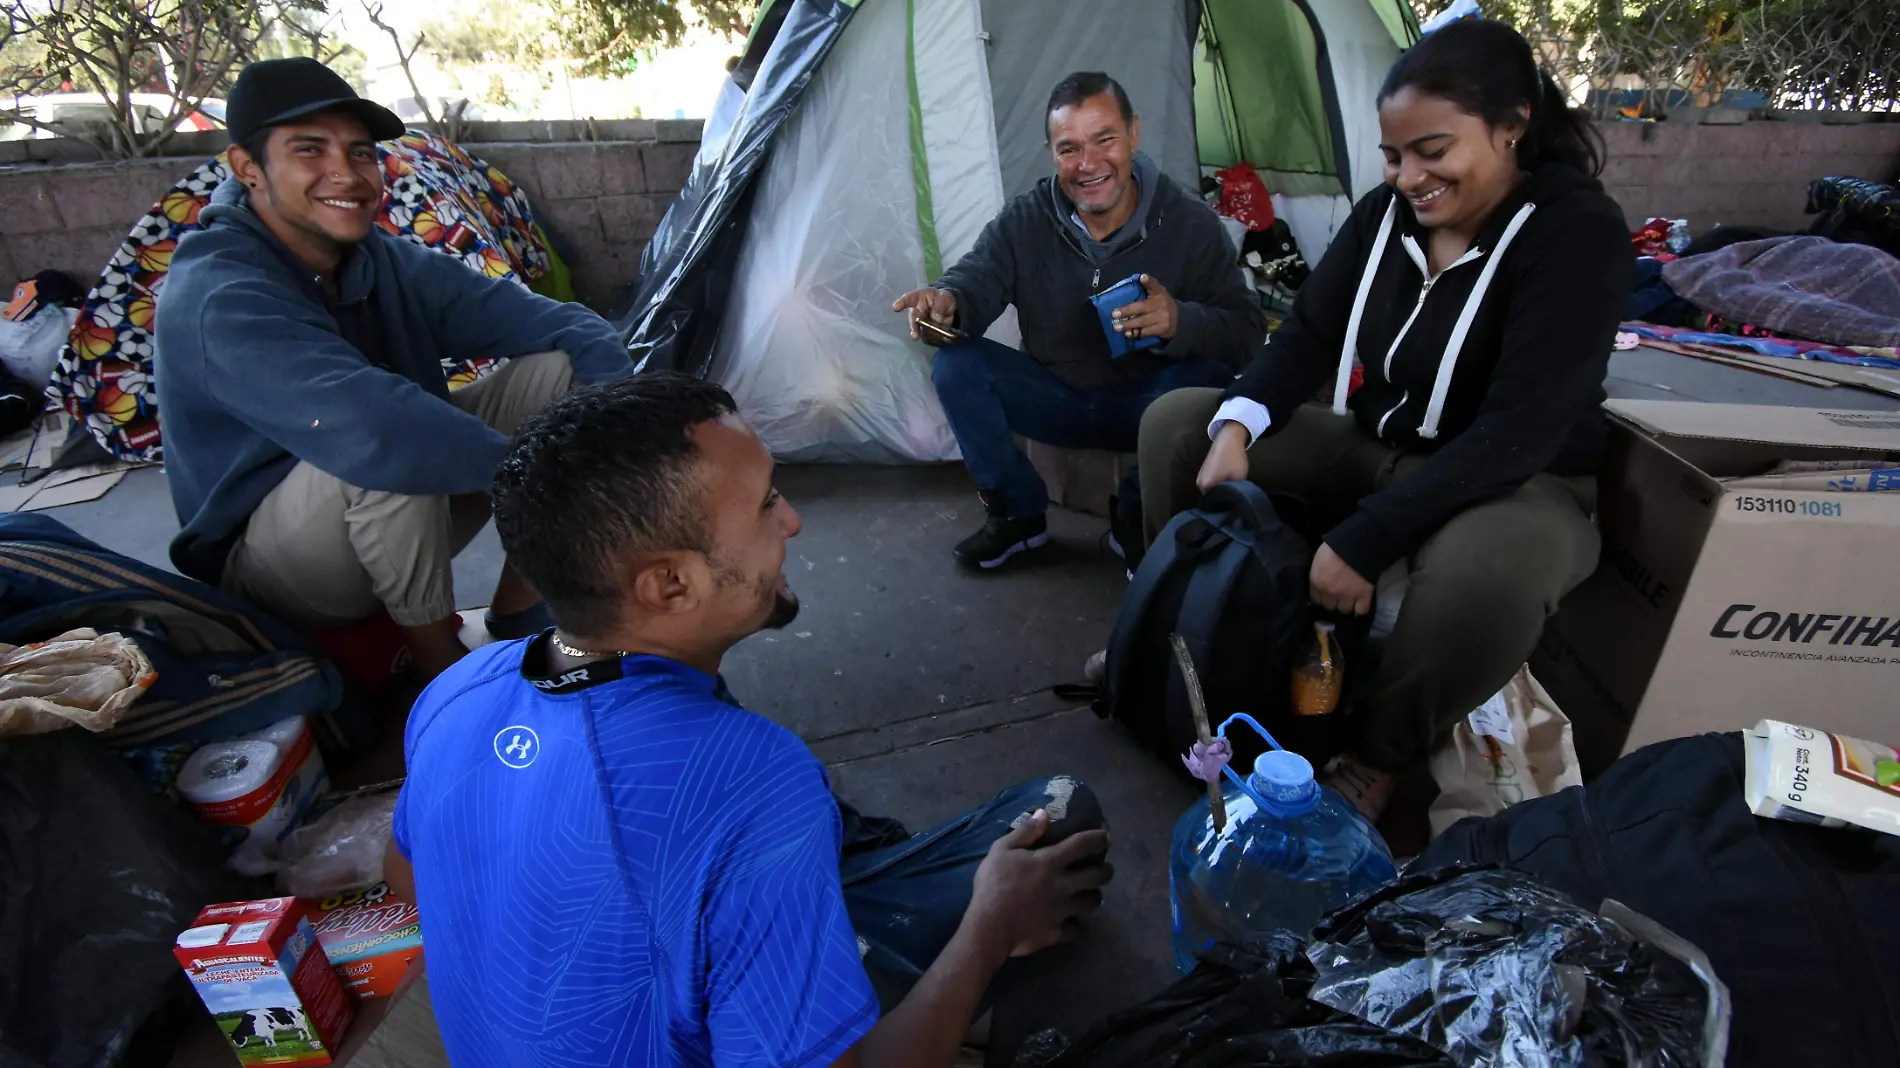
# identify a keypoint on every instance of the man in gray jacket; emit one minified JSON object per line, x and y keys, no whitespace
{"x":1107,"y":214}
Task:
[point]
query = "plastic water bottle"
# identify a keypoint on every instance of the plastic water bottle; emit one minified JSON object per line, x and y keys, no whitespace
{"x":1292,"y":852}
{"x":1679,"y":238}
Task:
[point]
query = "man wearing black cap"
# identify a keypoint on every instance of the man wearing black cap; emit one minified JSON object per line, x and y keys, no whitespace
{"x":319,"y":465}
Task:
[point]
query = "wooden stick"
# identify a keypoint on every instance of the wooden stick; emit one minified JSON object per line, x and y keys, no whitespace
{"x":1198,"y":702}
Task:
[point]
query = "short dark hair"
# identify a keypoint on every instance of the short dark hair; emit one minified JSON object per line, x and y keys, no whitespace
{"x":256,"y":143}
{"x":603,"y":473}
{"x":1083,"y":84}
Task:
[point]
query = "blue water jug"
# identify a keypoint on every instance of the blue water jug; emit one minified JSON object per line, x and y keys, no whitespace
{"x":1292,"y":851}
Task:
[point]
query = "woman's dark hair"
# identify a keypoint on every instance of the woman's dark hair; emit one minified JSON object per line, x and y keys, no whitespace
{"x":1488,"y":70}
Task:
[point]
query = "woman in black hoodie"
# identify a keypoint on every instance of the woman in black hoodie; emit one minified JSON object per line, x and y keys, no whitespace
{"x":1479,"y":290}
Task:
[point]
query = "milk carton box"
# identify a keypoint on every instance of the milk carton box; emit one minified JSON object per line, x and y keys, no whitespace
{"x":370,"y":936}
{"x":261,"y":972}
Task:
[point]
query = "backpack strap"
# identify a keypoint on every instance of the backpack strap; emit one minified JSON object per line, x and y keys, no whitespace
{"x":1173,"y":543}
{"x":1240,"y":509}
{"x":1201,"y":609}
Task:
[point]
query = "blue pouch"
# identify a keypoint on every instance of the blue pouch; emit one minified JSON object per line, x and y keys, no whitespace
{"x":1120,"y":295}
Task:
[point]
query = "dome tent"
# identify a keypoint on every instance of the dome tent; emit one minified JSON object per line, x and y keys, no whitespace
{"x":861,"y":145}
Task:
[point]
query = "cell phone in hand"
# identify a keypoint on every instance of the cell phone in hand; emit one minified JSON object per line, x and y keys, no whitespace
{"x":936,"y":335}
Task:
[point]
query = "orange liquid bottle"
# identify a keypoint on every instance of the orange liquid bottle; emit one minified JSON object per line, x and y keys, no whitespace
{"x":1320,"y":675}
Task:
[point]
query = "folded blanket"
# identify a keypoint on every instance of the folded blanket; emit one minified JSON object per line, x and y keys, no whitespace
{"x":1801,"y":286}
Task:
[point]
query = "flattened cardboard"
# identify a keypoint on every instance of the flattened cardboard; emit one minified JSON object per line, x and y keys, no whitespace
{"x":1766,"y":423}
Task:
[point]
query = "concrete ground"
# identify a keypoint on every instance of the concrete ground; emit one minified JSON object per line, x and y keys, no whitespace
{"x":926,"y":688}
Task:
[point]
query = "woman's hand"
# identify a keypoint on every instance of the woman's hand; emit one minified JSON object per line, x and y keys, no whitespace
{"x":1336,"y":586}
{"x":1227,"y":460}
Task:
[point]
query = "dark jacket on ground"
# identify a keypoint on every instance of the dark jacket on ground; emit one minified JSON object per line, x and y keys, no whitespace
{"x":1031,"y":256}
{"x":1526,"y":382}
{"x":258,"y":367}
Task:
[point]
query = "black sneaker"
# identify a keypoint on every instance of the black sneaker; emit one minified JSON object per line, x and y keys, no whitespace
{"x":1002,"y":538}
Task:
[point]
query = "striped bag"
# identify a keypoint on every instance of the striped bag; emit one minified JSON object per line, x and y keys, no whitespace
{"x":223,"y":667}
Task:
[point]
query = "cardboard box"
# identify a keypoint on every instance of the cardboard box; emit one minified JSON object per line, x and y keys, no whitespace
{"x":370,"y":936}
{"x":266,"y":981}
{"x":1724,"y":597}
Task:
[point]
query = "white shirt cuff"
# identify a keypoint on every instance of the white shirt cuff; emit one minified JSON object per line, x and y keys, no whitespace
{"x":1248,"y":413}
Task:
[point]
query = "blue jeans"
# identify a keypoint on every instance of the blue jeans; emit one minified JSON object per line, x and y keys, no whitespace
{"x":990,"y":391}
{"x":906,"y":893}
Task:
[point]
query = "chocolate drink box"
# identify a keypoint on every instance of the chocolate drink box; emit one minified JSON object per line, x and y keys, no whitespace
{"x":370,"y":936}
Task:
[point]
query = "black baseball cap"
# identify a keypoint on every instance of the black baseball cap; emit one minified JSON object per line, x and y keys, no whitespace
{"x":272,"y":92}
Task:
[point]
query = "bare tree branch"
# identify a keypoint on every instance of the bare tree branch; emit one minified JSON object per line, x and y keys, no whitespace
{"x":405,"y":58}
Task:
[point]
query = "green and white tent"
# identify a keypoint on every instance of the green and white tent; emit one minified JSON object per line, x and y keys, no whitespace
{"x":925,"y":115}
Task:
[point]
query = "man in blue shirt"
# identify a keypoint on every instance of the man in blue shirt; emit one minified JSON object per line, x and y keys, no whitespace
{"x":616,"y":864}
{"x":319,"y":465}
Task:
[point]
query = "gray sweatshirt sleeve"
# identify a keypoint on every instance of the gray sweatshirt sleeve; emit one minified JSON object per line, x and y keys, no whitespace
{"x":984,"y":280}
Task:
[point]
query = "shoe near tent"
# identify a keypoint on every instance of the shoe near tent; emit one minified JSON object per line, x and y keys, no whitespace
{"x":861,"y":145}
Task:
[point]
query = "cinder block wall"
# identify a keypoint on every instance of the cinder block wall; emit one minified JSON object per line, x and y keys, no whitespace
{"x":1750,"y":174}
{"x":602,"y":199}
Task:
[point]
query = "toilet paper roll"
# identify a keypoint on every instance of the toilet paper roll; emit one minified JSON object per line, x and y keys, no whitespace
{"x":283,"y":734}
{"x":227,"y":771}
{"x":254,"y":790}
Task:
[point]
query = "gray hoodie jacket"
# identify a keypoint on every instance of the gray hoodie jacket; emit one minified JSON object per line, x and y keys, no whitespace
{"x":1034,"y":256}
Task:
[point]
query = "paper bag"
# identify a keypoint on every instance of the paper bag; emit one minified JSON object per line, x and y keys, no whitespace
{"x":1514,"y":747}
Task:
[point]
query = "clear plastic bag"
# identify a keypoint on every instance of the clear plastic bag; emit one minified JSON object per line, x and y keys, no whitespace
{"x":341,"y":850}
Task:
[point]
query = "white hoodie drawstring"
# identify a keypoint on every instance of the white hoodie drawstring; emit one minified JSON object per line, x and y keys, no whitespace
{"x":1448,"y":363}
{"x":1350,"y":352}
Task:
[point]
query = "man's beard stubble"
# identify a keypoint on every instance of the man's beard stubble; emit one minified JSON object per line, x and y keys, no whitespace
{"x":784,"y":603}
{"x":784,"y":610}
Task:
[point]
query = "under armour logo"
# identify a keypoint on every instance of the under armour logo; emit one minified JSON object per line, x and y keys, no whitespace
{"x":517,"y":746}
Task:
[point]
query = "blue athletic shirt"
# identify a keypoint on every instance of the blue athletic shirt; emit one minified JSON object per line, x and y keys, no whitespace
{"x":620,"y":866}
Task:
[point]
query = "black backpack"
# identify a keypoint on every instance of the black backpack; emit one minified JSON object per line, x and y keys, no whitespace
{"x":1799,"y":922}
{"x":1230,"y":577}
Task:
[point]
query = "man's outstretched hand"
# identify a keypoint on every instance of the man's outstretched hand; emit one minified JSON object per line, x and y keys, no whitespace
{"x":937,"y":305}
{"x":1155,"y":315}
{"x":1028,"y":899}
{"x":1025,"y":899}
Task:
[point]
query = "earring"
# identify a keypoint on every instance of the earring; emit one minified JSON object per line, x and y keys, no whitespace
{"x":1512,"y":143}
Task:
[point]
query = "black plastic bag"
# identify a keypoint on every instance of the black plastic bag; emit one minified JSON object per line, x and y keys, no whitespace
{"x":1243,"y":1007}
{"x":1496,"y":969}
{"x":1856,"y":211}
{"x":98,"y":875}
{"x":1426,"y":971}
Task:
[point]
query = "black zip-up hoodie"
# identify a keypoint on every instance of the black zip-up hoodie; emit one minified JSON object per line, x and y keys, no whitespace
{"x":1030,"y":256}
{"x":1499,"y":361}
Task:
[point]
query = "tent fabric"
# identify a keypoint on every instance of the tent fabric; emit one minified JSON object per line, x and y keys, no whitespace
{"x":959,"y":136}
{"x":1143,"y":44}
{"x":860,"y":146}
{"x":686,"y":269}
{"x":808,"y":345}
{"x":436,"y":195}
{"x":1360,"y":50}
{"x":1283,"y":129}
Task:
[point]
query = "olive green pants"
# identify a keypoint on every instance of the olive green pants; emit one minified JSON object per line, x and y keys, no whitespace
{"x":1481,"y":588}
